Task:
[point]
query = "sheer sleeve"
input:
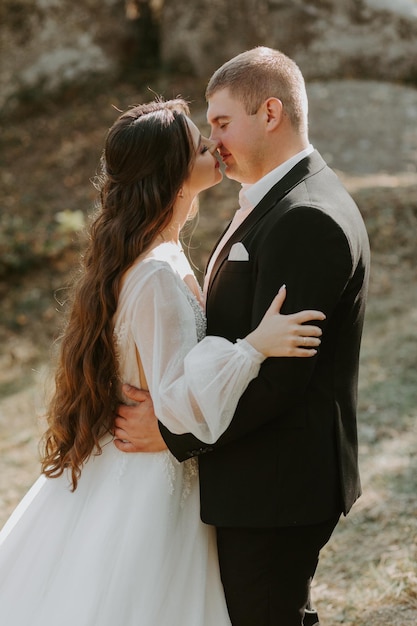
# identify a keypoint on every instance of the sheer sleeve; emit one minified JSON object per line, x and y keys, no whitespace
{"x":195,"y":387}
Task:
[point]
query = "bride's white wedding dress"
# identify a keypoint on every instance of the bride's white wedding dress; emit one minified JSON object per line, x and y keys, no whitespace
{"x":127,"y":548}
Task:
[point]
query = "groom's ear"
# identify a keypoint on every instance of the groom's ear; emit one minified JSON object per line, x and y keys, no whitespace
{"x":274,"y":112}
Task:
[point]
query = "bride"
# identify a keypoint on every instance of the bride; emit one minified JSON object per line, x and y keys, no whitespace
{"x":105,"y":538}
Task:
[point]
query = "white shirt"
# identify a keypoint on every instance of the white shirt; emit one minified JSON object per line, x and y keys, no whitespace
{"x":249,"y":197}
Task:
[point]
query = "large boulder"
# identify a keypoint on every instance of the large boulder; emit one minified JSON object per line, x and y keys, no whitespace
{"x":49,"y":43}
{"x":329,"y":39}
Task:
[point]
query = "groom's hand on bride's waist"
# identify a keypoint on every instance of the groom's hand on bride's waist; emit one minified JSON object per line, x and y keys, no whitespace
{"x":136,"y":426}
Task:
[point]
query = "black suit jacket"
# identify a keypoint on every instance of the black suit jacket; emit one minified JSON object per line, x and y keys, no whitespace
{"x":290,"y":453}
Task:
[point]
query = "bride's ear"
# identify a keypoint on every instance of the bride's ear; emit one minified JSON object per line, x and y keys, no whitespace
{"x":181,"y":193}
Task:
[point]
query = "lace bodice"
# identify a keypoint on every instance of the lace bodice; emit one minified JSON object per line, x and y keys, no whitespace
{"x":200,"y":318}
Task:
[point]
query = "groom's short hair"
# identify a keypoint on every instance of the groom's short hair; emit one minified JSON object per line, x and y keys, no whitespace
{"x":261,"y":73}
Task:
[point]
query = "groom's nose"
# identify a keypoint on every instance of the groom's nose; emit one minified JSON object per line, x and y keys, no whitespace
{"x":213,"y":137}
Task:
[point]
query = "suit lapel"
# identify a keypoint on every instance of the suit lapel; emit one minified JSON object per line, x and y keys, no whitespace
{"x":305,"y":168}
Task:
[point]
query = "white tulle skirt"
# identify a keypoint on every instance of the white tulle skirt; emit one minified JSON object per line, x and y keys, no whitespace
{"x":127,"y":548}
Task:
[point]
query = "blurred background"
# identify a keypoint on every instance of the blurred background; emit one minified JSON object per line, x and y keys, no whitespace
{"x":65,"y":67}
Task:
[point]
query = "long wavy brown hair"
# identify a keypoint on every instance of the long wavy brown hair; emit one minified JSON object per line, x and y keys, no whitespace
{"x":147,"y":157}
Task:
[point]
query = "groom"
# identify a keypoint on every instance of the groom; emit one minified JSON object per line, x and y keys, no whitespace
{"x":278,"y":479}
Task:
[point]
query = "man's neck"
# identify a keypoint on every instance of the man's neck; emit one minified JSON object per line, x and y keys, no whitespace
{"x":255,"y":192}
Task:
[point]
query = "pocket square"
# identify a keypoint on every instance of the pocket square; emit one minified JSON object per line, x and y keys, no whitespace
{"x":238,"y":252}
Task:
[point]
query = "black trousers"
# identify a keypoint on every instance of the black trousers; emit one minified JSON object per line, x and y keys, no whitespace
{"x":266,"y":573}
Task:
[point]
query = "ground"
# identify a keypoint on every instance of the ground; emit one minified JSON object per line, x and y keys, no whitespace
{"x":367,"y":575}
